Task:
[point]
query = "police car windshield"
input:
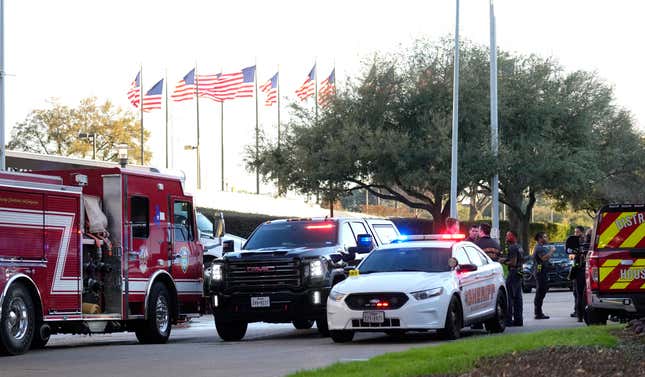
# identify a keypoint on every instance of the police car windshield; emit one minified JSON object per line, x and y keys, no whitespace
{"x":426,"y":259}
{"x":293,"y":234}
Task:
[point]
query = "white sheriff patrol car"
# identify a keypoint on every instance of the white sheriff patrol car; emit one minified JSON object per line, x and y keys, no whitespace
{"x":428,"y":282}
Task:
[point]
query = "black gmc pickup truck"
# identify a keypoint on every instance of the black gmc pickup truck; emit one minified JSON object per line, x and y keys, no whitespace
{"x":286,"y":269}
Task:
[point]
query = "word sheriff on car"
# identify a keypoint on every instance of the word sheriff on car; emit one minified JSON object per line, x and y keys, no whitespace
{"x":95,"y":251}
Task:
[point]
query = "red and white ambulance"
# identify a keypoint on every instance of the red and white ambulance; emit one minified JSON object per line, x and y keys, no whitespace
{"x":95,"y":251}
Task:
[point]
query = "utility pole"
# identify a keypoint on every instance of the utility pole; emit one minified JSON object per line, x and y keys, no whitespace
{"x":494,"y":135}
{"x":455,"y":122}
{"x":2,"y":76}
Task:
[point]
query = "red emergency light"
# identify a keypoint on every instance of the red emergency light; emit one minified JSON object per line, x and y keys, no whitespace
{"x":321,"y":226}
{"x":382,"y":304}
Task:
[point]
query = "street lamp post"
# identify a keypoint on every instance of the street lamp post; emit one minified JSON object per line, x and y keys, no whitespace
{"x":455,"y":122}
{"x":122,"y":151}
{"x":84,"y":135}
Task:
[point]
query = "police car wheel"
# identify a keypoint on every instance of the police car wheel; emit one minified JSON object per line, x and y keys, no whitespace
{"x":156,"y":329}
{"x":17,"y":323}
{"x":323,"y":326}
{"x":341,"y":336}
{"x":303,"y":324}
{"x":497,"y":323}
{"x":454,"y":320}
{"x":231,"y":331}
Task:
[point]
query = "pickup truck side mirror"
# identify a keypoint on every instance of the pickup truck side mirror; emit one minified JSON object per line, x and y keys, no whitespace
{"x":228,"y":246}
{"x":467,"y":267}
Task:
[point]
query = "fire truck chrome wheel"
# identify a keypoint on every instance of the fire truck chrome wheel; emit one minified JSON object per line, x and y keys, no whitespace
{"x":18,"y":320}
{"x":163,"y":318}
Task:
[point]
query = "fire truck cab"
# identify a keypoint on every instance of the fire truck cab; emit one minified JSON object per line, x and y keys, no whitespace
{"x":95,"y":251}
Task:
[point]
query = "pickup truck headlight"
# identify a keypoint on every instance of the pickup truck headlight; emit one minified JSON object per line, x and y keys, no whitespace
{"x":426,"y":294}
{"x":337,"y":296}
{"x":316,"y":269}
{"x":216,"y":272}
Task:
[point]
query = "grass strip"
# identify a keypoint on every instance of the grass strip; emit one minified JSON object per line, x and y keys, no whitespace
{"x":460,"y":356}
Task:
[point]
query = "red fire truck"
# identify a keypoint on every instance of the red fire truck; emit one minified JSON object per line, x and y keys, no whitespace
{"x":95,"y":251}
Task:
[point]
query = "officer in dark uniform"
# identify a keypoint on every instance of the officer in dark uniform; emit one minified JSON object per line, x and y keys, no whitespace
{"x":577,"y":247}
{"x":541,"y":257}
{"x":489,"y":245}
{"x":514,"y":261}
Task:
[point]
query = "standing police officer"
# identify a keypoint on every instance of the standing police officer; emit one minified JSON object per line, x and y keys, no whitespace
{"x":514,"y":261}
{"x":577,"y":247}
{"x":489,"y":245}
{"x":541,"y":256}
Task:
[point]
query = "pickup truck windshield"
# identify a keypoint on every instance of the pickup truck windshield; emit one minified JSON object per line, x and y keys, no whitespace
{"x":426,"y":259}
{"x":293,"y":234}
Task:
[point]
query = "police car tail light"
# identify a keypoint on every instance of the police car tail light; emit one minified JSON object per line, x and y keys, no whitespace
{"x":428,"y":293}
{"x":382,"y":304}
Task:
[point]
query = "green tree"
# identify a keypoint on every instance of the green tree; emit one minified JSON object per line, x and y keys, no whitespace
{"x":55,"y":130}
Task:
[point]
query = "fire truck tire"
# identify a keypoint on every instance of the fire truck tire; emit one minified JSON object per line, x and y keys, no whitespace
{"x":595,"y":317}
{"x":231,"y":331}
{"x":17,"y":324}
{"x":156,"y":329}
{"x":497,"y":323}
{"x":41,"y":337}
{"x":303,"y":324}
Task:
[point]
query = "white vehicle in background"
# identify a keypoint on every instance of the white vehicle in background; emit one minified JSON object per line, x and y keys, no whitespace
{"x":431,"y":282}
{"x":213,"y":238}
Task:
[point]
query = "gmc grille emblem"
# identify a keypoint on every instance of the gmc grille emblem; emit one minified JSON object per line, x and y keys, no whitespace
{"x":260,"y":269}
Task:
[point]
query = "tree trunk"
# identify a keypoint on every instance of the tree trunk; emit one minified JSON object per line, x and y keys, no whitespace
{"x":437,"y":218}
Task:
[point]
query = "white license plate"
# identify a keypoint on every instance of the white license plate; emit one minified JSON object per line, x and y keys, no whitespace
{"x":373,"y":317}
{"x":260,"y":302}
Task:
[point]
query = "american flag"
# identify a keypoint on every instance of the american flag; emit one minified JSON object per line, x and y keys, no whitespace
{"x":327,"y":88}
{"x":134,"y":93}
{"x":185,"y":89}
{"x":228,"y":86}
{"x":270,"y":88}
{"x":152,"y":99}
{"x":307,"y":88}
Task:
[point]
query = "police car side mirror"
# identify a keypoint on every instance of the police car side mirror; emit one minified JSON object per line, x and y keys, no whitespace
{"x":467,"y":267}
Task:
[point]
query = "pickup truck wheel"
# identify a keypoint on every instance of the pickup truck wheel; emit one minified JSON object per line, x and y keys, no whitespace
{"x":454,"y":320}
{"x":341,"y":336}
{"x":497,"y":323}
{"x":303,"y":324}
{"x":231,"y":331}
{"x":595,"y":317}
{"x":156,"y":329}
{"x":323,"y":326}
{"x":17,"y":323}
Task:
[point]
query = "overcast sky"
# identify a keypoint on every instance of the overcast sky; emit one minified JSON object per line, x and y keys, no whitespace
{"x":71,"y":49}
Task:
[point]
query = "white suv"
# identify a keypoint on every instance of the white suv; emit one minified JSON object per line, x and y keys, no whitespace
{"x":433,"y":282}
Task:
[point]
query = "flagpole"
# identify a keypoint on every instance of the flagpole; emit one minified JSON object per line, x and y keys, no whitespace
{"x":278,"y":85}
{"x":221,"y":124}
{"x":199,"y":168}
{"x":141,"y":107}
{"x":166,"y":87}
{"x":455,"y":122}
{"x":257,"y":132}
{"x":316,"y":87}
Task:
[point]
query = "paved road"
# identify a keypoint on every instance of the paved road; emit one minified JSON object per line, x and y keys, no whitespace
{"x":267,"y":350}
